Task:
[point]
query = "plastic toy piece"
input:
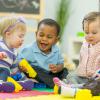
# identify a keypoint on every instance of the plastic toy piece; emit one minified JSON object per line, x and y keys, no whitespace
{"x":17,"y":76}
{"x":56,"y":89}
{"x":83,"y":94}
{"x":24,"y":64}
{"x":18,"y":87}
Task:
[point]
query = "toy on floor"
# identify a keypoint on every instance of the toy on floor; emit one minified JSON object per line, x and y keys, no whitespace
{"x":17,"y":76}
{"x":18,"y":87}
{"x":56,"y":89}
{"x":21,"y":85}
{"x":83,"y":94}
{"x":23,"y":63}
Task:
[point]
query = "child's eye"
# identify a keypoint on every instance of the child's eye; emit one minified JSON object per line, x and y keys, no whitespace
{"x":86,"y":33}
{"x":94,"y":32}
{"x":21,"y":36}
{"x":41,"y":34}
{"x":50,"y":37}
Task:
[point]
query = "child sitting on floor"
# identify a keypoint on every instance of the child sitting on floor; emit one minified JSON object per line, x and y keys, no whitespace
{"x":12,"y":31}
{"x":70,"y":90}
{"x":90,"y":51}
{"x":90,"y":58}
{"x":43,"y":55}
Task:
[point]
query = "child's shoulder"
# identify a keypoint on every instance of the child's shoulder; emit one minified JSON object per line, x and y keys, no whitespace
{"x":55,"y":48}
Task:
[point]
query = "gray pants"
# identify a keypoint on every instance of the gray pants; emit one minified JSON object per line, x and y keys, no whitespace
{"x":72,"y":78}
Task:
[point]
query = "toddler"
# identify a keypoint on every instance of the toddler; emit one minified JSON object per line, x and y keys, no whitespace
{"x":12,"y":31}
{"x":88,"y":73}
{"x":90,"y":51}
{"x":43,"y":55}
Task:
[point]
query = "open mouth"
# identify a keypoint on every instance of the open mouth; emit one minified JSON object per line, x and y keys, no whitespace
{"x":43,"y":45}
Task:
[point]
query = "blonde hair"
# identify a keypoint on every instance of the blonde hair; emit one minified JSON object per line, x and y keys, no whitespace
{"x":11,"y":24}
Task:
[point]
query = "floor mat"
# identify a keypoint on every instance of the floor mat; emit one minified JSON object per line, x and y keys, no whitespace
{"x":5,"y":96}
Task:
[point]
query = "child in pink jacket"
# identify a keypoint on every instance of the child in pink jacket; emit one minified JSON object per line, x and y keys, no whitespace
{"x":90,"y":51}
{"x":87,"y":74}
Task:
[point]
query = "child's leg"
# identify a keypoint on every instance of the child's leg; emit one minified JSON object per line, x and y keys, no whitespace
{"x":4,"y":73}
{"x":73,"y":78}
{"x":58,"y":82}
{"x":63,"y":74}
{"x":93,"y":85}
{"x":7,"y":87}
{"x":44,"y":77}
{"x":27,"y":84}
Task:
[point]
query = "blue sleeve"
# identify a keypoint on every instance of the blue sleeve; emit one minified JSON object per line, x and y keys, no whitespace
{"x":25,"y":53}
{"x":60,"y":58}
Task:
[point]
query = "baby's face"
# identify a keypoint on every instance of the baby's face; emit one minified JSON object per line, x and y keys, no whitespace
{"x":92,"y":31}
{"x":46,"y":37}
{"x":16,"y":38}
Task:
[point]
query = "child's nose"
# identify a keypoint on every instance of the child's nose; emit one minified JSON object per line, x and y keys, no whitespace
{"x":44,"y":38}
{"x":90,"y":35}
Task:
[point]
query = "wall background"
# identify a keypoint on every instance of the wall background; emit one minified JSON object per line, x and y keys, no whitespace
{"x":78,"y":9}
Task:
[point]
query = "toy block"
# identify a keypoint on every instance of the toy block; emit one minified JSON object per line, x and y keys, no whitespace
{"x":83,"y":94}
{"x":18,"y":87}
{"x":25,"y":65}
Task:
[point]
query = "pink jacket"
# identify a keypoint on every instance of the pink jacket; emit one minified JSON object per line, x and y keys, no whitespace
{"x":89,"y":59}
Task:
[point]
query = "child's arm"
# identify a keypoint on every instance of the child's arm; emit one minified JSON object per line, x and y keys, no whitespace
{"x":3,"y":55}
{"x":97,"y":65}
{"x":55,"y":68}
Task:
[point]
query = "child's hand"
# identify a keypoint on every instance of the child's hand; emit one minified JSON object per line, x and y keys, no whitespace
{"x":23,"y":69}
{"x":3,"y":55}
{"x":53,"y":68}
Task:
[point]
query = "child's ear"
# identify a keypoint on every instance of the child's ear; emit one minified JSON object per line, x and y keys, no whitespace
{"x":57,"y":39}
{"x":36,"y":33}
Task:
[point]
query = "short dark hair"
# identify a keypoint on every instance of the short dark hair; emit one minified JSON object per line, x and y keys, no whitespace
{"x":50,"y":22}
{"x":90,"y":17}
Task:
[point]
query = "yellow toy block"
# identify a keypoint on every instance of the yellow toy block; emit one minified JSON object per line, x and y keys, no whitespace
{"x":24,"y":64}
{"x":83,"y":94}
{"x":56,"y":89}
{"x":18,"y":87}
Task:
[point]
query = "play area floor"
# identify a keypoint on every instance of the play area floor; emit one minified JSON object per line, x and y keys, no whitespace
{"x":40,"y":94}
